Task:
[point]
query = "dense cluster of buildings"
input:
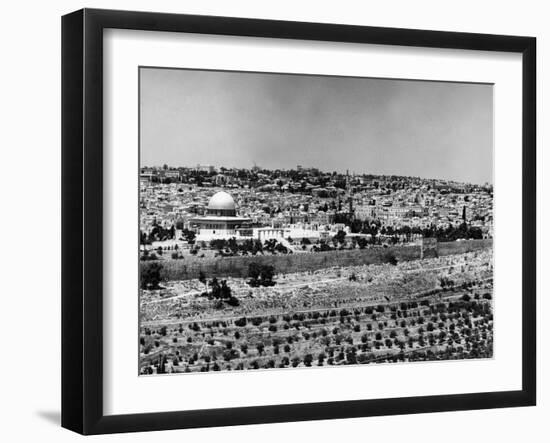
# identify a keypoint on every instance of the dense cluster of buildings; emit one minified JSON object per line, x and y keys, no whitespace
{"x":303,"y":202}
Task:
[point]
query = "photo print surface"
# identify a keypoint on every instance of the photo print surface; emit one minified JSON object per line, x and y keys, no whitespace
{"x":304,"y":221}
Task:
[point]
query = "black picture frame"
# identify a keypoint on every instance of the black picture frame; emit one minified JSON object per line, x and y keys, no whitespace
{"x":82,"y":221}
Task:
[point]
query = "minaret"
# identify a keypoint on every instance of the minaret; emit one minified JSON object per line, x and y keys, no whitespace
{"x":349,"y":193}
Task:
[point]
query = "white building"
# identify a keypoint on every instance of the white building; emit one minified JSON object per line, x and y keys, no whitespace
{"x":221,"y":220}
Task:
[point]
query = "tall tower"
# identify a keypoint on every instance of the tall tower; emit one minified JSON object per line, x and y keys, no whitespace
{"x":349,"y":195}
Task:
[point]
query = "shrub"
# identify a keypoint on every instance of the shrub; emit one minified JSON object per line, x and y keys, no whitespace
{"x":391,"y":259}
{"x":232,"y":301}
{"x":257,"y":321}
{"x":240,"y":322}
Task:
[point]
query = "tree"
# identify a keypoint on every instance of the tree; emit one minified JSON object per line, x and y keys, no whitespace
{"x":143,"y":238}
{"x":266,"y":274}
{"x":233,"y":301}
{"x":254,"y":271}
{"x":340,"y":237}
{"x":225,"y":291}
{"x":362,"y":242}
{"x":260,"y":275}
{"x":392,"y":259}
{"x":202,"y":279}
{"x":221,"y":292}
{"x":215,"y":288}
{"x":150,"y":276}
{"x":188,"y":235}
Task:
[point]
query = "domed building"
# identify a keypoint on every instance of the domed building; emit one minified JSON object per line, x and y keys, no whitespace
{"x":220,"y":220}
{"x":221,"y":204}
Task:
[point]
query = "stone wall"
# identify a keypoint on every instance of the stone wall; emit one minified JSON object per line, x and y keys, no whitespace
{"x":460,"y":247}
{"x":190,"y":267}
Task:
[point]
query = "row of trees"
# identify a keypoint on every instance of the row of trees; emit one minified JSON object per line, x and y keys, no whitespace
{"x":157,"y":233}
{"x":452,"y":233}
{"x":231,"y":247}
{"x":449,"y":233}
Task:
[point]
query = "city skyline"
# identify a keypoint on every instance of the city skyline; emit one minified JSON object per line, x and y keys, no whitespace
{"x":306,"y":167}
{"x":433,"y":130}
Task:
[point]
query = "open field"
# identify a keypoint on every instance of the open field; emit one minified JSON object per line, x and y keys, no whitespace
{"x":436,"y":308}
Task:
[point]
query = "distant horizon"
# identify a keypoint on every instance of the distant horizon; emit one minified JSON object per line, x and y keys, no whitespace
{"x":353,"y":173}
{"x":425,"y":129}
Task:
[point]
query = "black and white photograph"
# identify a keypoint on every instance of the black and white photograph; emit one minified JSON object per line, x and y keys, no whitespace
{"x":291,"y":221}
{"x":271,"y":222}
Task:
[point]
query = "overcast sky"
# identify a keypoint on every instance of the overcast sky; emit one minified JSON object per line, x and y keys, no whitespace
{"x":233,"y":119}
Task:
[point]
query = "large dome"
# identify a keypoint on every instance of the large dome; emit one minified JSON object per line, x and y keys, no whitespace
{"x":221,"y":203}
